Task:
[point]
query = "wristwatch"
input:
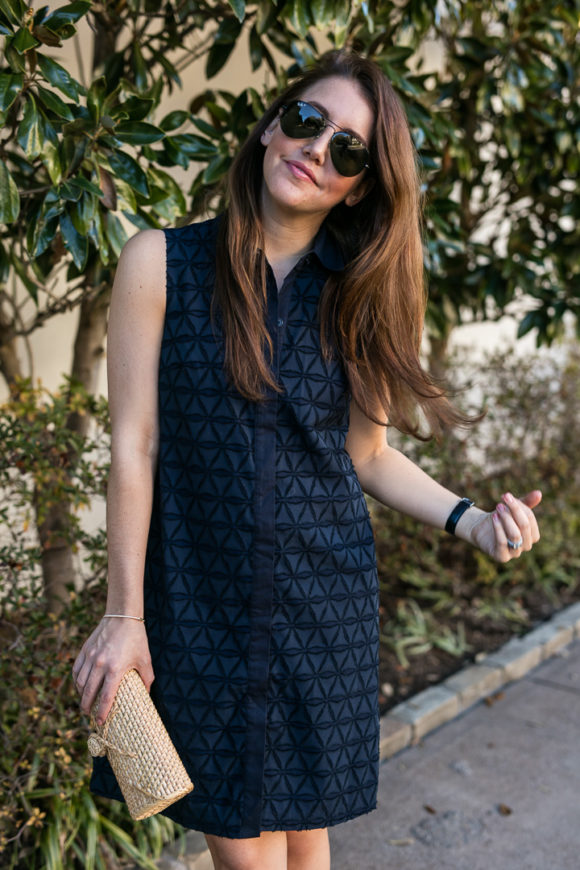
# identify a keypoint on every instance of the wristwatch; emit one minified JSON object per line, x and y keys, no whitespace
{"x":456,"y":513}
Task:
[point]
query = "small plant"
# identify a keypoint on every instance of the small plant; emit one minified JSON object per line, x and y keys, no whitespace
{"x":416,"y":631}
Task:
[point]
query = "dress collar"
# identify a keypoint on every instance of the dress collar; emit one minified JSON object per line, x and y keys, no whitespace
{"x":328,"y":250}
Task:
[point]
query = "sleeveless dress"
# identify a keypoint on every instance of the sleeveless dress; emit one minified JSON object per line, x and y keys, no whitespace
{"x":260,"y":587}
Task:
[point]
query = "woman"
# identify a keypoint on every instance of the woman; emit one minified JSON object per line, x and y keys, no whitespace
{"x":253,"y":361}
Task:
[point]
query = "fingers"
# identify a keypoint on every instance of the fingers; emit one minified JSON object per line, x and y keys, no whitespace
{"x":109,"y":690}
{"x":514,"y":520}
{"x":532,"y":499}
{"x":105,"y":657}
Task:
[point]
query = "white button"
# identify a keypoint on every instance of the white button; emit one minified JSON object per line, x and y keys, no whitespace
{"x":280,"y":322}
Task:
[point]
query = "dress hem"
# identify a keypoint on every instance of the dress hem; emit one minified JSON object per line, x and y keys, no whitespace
{"x":218,"y":832}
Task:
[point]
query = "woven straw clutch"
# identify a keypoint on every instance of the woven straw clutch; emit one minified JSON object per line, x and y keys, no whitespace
{"x":145,"y":762}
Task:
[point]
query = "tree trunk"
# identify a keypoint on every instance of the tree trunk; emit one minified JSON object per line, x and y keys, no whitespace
{"x":438,"y":346}
{"x":89,"y":349}
{"x":58,"y":569}
{"x":9,"y":362}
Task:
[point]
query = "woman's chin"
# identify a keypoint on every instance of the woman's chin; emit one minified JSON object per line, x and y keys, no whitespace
{"x":286,"y":198}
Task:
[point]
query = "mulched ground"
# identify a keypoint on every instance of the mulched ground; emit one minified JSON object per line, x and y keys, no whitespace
{"x":485,"y":635}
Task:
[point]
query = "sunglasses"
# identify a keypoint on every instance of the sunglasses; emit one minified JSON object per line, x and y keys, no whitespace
{"x":300,"y":120}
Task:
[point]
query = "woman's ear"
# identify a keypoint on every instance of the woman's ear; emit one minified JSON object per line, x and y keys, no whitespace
{"x":269,"y":132}
{"x":359,"y":192}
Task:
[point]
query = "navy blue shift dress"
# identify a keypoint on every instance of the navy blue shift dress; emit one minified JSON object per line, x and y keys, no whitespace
{"x":260,"y":587}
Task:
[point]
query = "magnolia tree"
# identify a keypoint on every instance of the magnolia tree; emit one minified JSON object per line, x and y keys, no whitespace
{"x":496,"y":123}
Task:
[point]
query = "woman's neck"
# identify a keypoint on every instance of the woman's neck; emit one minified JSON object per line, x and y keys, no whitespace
{"x":287,"y":236}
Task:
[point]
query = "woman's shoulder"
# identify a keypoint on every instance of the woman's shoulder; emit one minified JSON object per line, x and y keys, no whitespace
{"x":151,"y":242}
{"x":144,"y":248}
{"x":195,"y":232}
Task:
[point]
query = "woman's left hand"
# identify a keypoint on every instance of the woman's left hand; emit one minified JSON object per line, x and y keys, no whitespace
{"x":511,"y":529}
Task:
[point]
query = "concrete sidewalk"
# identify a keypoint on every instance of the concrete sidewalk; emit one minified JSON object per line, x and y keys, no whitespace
{"x":481,"y":772}
{"x":496,"y":788}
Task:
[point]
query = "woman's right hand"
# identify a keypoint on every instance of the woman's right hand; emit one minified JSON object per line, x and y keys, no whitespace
{"x":114,"y":647}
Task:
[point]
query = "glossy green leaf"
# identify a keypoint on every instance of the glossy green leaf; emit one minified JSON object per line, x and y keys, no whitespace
{"x":206,"y":128}
{"x":53,"y":102}
{"x":9,"y":196}
{"x":224,"y":43}
{"x":322,"y":12}
{"x":59,"y":77}
{"x":31,"y":130}
{"x":196,"y":147}
{"x":476,"y":48}
{"x":135,"y":108}
{"x":142,"y":220}
{"x":172,"y":155}
{"x":70,"y":192}
{"x":341,"y":20}
{"x":24,"y":40}
{"x":75,"y":243}
{"x":126,"y":194}
{"x":10,"y":87}
{"x":96,"y":97}
{"x":173,"y":120}
{"x":216,"y":169}
{"x":138,"y":133}
{"x":115,"y":233}
{"x":239,"y":7}
{"x":128,"y":169}
{"x":218,"y":113}
{"x":99,"y":240}
{"x":300,"y":17}
{"x":83,"y":212}
{"x":14,"y":10}
{"x":50,"y":154}
{"x":169,"y":68}
{"x":68,"y":14}
{"x":15,"y":61}
{"x":217,"y":58}
{"x":139,"y":67}
{"x":79,"y":181}
{"x":168,"y":184}
{"x":24,"y":275}
{"x":266,"y":15}
{"x":256,"y":53}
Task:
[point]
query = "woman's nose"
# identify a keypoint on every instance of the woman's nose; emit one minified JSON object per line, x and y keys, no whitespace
{"x":318,"y":147}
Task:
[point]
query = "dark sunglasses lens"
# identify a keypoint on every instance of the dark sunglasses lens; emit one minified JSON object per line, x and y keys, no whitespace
{"x":301,"y":121}
{"x":348,"y":154}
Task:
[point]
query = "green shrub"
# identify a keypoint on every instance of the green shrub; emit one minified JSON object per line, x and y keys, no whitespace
{"x":49,"y":818}
{"x":44,"y":462}
{"x":527,"y":441}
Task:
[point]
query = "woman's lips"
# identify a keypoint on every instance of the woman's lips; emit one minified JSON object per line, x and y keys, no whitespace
{"x":300,"y":171}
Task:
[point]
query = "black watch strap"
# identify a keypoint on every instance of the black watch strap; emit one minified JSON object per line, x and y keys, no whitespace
{"x":456,"y":513}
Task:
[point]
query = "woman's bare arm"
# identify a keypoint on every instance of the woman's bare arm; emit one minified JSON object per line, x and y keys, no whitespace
{"x":391,"y":478}
{"x":135,"y":330}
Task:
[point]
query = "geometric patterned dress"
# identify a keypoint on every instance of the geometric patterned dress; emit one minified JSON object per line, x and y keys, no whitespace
{"x":260,"y":586}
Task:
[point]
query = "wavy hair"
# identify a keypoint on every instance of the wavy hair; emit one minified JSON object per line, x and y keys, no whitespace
{"x":372,"y":313}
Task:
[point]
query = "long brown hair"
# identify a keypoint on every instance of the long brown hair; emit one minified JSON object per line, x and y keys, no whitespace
{"x":372,"y":312}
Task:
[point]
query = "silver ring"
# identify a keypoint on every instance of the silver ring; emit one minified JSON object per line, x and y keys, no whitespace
{"x":515,"y":545}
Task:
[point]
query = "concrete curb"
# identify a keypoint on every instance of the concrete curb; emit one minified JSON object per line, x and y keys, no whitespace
{"x":405,"y":724}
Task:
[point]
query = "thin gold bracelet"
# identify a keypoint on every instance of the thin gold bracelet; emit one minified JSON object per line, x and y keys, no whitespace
{"x":125,"y":616}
